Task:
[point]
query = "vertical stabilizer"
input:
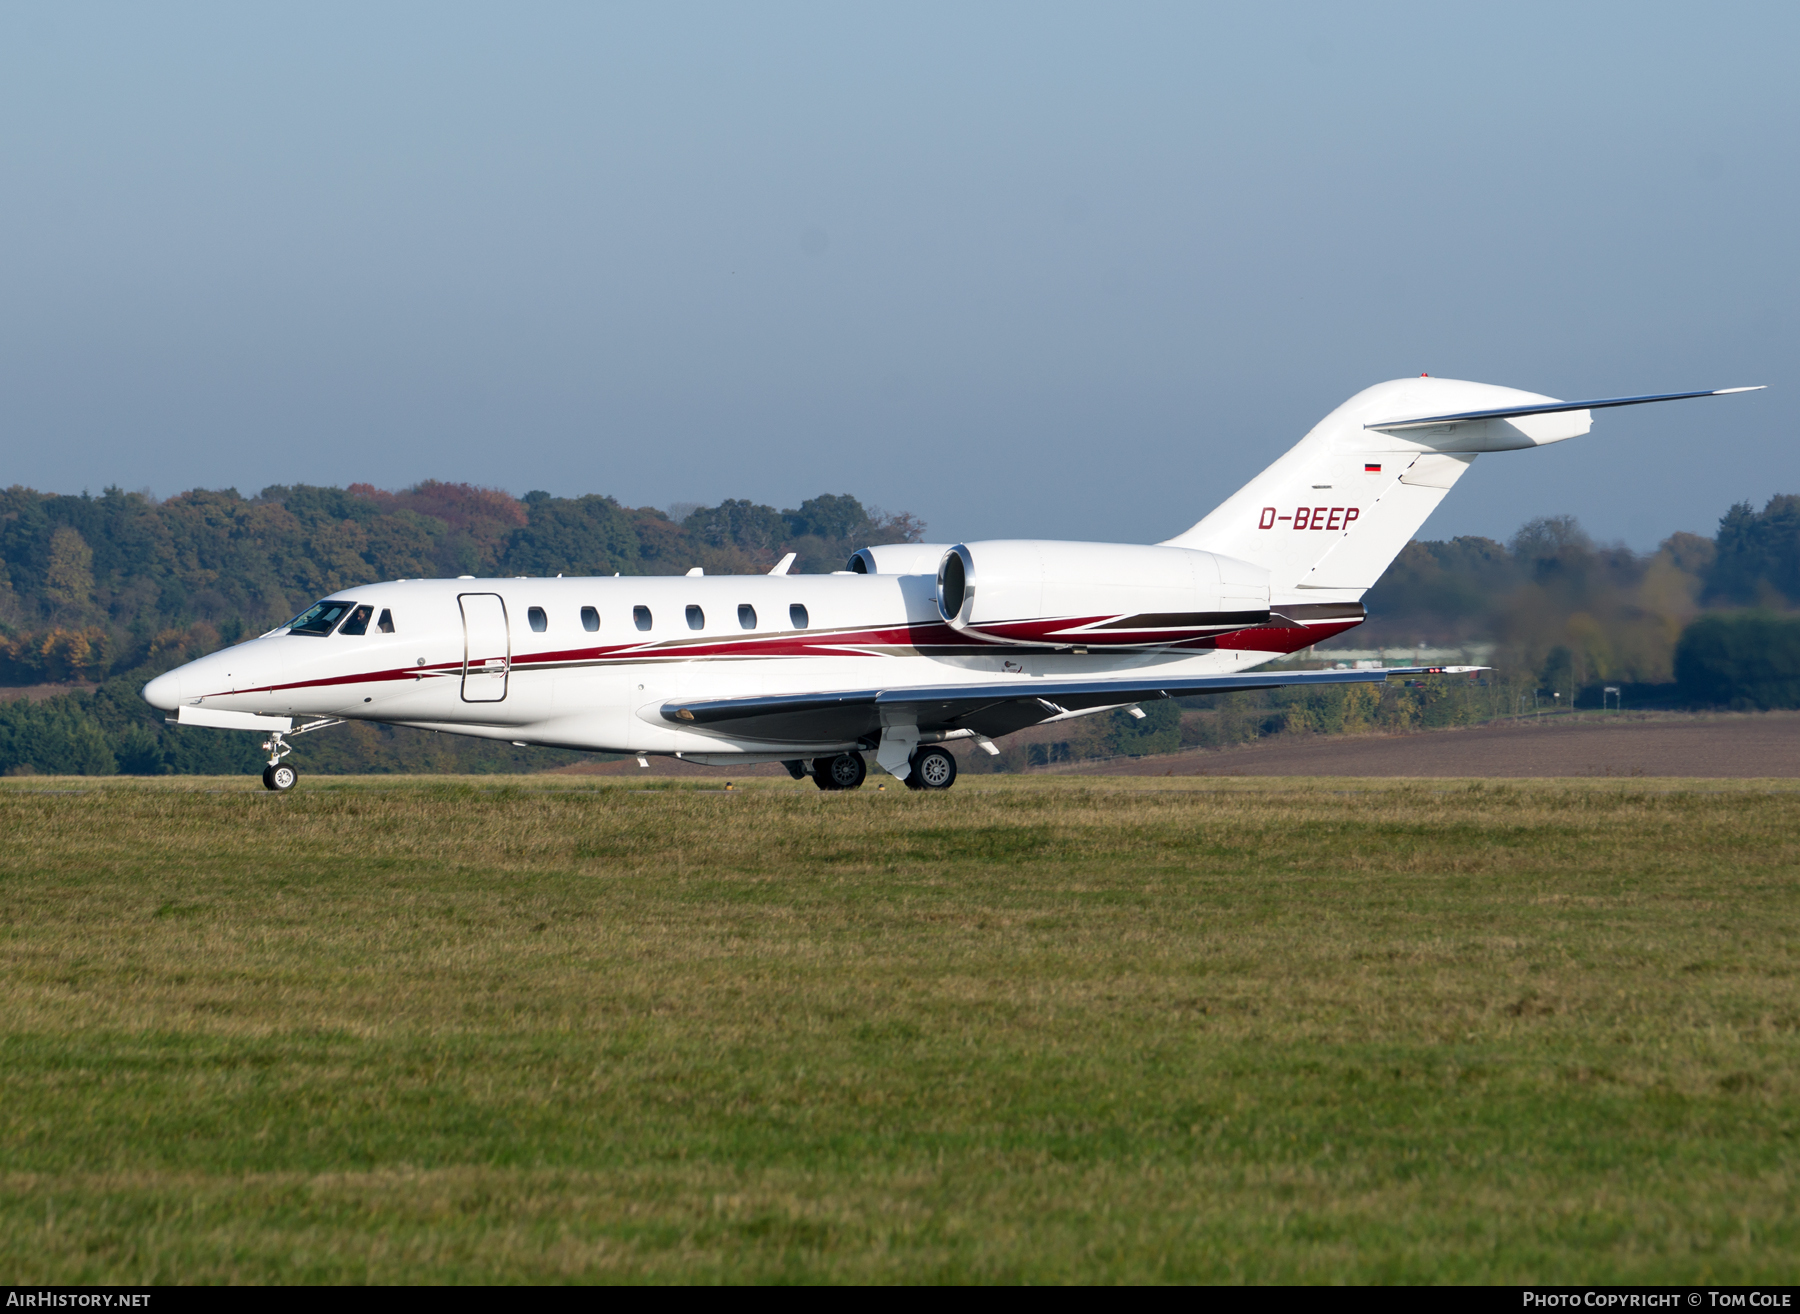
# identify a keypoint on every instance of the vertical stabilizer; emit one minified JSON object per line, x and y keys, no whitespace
{"x":1328,"y":517}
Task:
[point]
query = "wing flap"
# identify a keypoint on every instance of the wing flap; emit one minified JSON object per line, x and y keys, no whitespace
{"x":783,"y":718}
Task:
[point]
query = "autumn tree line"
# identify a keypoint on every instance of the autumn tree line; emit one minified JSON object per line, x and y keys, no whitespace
{"x":92,"y":586}
{"x":1677,"y":626}
{"x":101,"y":593}
{"x":104,"y":592}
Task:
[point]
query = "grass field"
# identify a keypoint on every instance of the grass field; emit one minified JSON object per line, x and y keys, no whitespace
{"x":538,"y":1029}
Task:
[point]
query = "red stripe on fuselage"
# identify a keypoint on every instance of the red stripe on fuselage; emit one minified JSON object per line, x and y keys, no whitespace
{"x":931,"y":638}
{"x":1285,"y":639}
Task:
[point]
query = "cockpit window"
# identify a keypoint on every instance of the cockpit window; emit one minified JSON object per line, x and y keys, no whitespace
{"x":320,"y":618}
{"x":386,"y":623}
{"x":358,"y":622}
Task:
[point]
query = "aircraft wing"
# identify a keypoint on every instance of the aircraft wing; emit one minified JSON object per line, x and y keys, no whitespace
{"x":989,"y":709}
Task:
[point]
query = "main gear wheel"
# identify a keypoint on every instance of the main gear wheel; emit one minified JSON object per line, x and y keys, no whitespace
{"x":932,"y":768}
{"x":845,"y":771}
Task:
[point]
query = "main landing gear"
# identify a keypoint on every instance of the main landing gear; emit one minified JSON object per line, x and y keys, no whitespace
{"x":927,"y":768}
{"x":932,"y":768}
{"x":845,"y":771}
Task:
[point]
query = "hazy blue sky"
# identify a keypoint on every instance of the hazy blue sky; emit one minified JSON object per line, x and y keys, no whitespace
{"x":1072,"y":271}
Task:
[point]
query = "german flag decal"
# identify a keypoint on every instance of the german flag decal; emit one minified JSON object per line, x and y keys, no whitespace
{"x":1371,"y":469}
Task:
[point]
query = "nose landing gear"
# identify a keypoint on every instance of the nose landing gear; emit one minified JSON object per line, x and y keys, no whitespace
{"x":278,"y":775}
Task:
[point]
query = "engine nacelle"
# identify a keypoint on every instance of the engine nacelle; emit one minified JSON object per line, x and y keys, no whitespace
{"x":897,"y":559}
{"x":1105,"y":595}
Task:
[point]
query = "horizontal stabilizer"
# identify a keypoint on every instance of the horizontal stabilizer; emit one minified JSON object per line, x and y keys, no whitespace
{"x":1552,"y":408}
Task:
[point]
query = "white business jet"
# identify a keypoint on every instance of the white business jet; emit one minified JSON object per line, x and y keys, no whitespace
{"x":912,"y":647}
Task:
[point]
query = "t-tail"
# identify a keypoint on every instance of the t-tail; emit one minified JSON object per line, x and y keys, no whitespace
{"x":1328,"y":517}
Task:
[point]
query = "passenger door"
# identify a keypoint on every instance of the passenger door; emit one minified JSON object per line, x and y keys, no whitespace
{"x":487,"y":648}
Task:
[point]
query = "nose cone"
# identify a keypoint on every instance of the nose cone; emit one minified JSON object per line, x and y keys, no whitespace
{"x":164,"y":691}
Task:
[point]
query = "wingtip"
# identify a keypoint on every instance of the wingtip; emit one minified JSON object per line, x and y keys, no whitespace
{"x":1755,"y":387}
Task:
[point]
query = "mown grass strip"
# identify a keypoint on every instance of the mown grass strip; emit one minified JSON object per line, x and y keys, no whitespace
{"x":1046,"y":1030}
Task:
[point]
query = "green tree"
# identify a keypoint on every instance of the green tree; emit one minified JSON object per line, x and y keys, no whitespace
{"x":69,"y":574}
{"x":1758,"y":556}
{"x":1445,"y":588}
{"x":53,"y":737}
{"x":588,"y":535}
{"x":1158,"y":731}
{"x":829,"y":516}
{"x":1750,"y":660}
{"x":402,"y":545}
{"x":737,"y":523}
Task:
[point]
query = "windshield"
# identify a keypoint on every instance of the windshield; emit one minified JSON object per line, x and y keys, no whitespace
{"x":320,"y":618}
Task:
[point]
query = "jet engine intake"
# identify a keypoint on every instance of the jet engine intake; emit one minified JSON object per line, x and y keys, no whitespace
{"x":1114,"y":595}
{"x":896,"y":559}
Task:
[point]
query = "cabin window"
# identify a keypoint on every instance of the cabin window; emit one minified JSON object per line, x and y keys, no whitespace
{"x":696,"y":618}
{"x":386,"y":623}
{"x":320,"y":618}
{"x":797,"y":614}
{"x":640,"y":616}
{"x":539,"y":621}
{"x":358,"y":622}
{"x":590,"y":619}
{"x":746,"y":616}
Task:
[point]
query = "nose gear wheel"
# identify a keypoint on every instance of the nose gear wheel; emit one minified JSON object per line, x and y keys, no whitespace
{"x":279,"y":776}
